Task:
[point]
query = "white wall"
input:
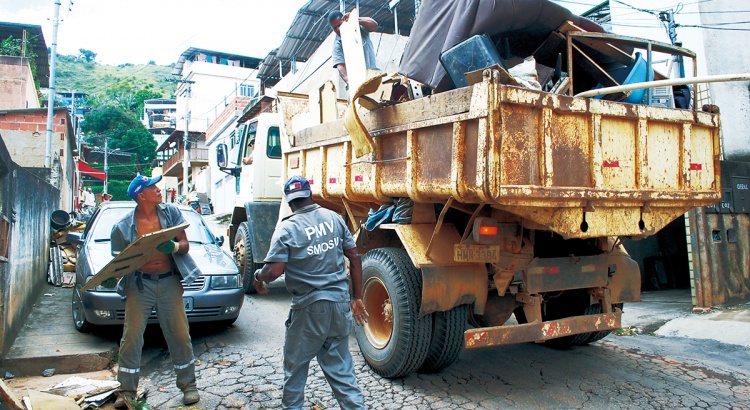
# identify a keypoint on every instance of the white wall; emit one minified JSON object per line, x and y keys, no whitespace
{"x":318,"y":69}
{"x":215,"y":86}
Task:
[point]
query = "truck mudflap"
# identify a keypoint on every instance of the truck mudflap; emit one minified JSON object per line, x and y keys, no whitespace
{"x":541,"y":331}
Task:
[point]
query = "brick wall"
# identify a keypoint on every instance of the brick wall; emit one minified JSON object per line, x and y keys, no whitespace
{"x":24,"y":133}
{"x":236,"y":105}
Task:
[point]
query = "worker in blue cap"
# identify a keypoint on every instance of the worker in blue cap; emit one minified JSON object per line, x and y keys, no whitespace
{"x":156,"y":284}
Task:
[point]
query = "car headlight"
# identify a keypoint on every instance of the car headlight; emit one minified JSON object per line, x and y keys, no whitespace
{"x":225,"y":281}
{"x":102,"y":288}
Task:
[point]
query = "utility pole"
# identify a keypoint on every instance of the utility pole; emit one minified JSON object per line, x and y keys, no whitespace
{"x":186,"y":157}
{"x":51,"y":93}
{"x":106,"y":168}
{"x":668,"y":18}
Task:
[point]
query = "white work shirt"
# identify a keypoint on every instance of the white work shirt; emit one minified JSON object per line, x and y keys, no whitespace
{"x":89,"y":199}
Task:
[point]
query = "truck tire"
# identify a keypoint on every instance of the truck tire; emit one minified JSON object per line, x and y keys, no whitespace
{"x":395,"y":340}
{"x":243,"y":255}
{"x":447,"y":339}
{"x":597,"y":336}
{"x":567,"y":305}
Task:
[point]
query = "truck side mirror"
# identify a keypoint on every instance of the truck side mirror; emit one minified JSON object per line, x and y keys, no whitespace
{"x":221,"y":155}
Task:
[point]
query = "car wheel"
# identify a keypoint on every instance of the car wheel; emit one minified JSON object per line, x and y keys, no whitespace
{"x":243,"y":255}
{"x":79,"y":317}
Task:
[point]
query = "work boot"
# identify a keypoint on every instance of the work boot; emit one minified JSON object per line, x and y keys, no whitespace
{"x":123,"y":398}
{"x":190,"y":397}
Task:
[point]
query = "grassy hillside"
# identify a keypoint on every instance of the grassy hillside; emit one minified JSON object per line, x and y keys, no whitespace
{"x":107,"y":82}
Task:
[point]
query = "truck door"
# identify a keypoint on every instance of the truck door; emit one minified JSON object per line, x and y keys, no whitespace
{"x":247,"y":173}
{"x":270,"y":185}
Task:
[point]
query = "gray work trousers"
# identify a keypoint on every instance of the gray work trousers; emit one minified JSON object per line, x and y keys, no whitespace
{"x":321,"y":329}
{"x":166,"y":295}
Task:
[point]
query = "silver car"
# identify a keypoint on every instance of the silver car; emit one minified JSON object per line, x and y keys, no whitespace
{"x":216,"y":296}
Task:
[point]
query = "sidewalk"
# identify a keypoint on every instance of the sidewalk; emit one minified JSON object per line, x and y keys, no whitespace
{"x":49,"y":340}
{"x":669,"y":313}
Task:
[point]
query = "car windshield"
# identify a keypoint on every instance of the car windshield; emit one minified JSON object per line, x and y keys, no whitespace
{"x":197,"y":232}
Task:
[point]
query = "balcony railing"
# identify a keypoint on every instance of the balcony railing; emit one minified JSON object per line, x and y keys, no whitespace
{"x":197,"y":156}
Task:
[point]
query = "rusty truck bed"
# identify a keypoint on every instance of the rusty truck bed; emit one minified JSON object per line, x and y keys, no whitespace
{"x":577,"y":166}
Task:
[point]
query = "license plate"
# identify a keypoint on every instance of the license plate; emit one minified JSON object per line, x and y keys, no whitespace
{"x":476,"y":253}
{"x":188,"y":302}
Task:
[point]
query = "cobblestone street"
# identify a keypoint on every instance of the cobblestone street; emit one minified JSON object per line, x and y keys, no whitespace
{"x":241,"y":368}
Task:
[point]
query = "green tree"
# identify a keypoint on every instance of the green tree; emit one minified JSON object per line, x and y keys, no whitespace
{"x":136,"y":105}
{"x":123,"y":131}
{"x":87,"y":55}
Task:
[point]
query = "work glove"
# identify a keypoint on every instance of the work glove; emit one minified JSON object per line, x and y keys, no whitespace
{"x":168,"y":247}
{"x":109,"y":283}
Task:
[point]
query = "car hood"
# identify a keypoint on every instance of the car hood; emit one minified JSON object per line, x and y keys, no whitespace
{"x":211,"y":259}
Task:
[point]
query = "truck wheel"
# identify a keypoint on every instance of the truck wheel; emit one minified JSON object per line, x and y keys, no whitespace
{"x":79,"y":318}
{"x":395,"y":340}
{"x":447,"y":339}
{"x":597,"y":336}
{"x":243,"y":255}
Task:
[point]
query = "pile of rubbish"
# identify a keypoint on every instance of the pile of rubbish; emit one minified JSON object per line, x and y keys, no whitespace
{"x":74,"y":393}
{"x":535,"y":44}
{"x":62,"y":254}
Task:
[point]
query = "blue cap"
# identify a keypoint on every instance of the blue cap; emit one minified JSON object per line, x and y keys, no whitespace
{"x":139,"y":183}
{"x":296,"y":187}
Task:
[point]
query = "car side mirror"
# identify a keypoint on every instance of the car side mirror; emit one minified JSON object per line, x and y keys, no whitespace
{"x":75,"y":238}
{"x":220,"y":241}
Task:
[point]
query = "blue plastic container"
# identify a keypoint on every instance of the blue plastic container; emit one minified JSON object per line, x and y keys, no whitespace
{"x":636,"y":73}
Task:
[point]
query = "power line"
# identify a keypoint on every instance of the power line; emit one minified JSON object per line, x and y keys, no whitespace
{"x":713,"y":28}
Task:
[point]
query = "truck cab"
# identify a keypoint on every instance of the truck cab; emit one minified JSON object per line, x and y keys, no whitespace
{"x":258,"y":188}
{"x":256,"y":181}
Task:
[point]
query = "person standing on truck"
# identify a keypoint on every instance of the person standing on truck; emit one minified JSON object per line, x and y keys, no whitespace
{"x":366,"y":25}
{"x":156,"y":284}
{"x":309,"y":246}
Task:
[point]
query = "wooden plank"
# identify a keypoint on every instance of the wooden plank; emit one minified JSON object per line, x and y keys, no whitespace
{"x":622,"y":41}
{"x":10,"y":399}
{"x":547,"y":52}
{"x":134,"y":255}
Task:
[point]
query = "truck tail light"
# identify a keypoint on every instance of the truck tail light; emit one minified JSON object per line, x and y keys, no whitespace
{"x":484,"y":230}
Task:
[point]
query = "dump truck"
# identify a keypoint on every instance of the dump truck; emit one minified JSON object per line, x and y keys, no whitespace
{"x":520,"y":199}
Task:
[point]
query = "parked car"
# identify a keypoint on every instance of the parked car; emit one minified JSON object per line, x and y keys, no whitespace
{"x":216,"y":296}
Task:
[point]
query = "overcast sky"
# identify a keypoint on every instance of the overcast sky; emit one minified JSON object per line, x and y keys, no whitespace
{"x":138,"y":31}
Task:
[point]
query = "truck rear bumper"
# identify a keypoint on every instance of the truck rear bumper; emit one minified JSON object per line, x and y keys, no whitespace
{"x":541,"y":331}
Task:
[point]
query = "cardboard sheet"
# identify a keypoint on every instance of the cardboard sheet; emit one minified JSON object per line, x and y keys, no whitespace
{"x":134,"y":256}
{"x":361,"y":139}
{"x":354,"y":53}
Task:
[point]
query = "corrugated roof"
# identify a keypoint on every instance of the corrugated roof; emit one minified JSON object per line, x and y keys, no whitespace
{"x":310,"y":28}
{"x":189,"y":55}
{"x":35,"y":37}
